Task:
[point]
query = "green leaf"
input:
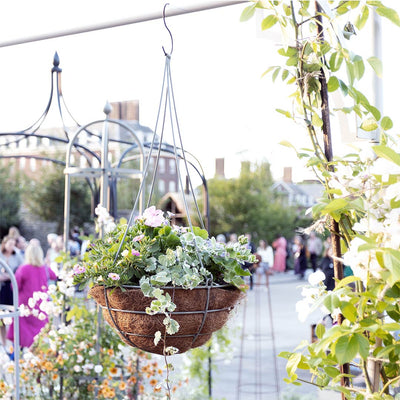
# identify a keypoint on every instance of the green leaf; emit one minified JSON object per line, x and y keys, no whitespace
{"x":332,"y":371}
{"x":393,"y":326}
{"x":362,"y":18}
{"x":316,"y":120}
{"x":389,"y":13}
{"x":333,"y":84}
{"x":386,"y":123}
{"x":387,"y":153}
{"x":200,"y":232}
{"x":247,"y":13}
{"x":269,"y":22}
{"x":373,"y":110}
{"x":343,"y":87}
{"x":349,"y":311}
{"x":376,"y":65}
{"x":369,"y":124}
{"x":335,"y":61}
{"x":285,"y":113}
{"x":320,"y":330}
{"x":275,"y":74}
{"x":293,"y":363}
{"x":359,"y":67}
{"x":346,"y":349}
{"x":363,"y":345}
{"x":335,"y":205}
{"x":391,"y":259}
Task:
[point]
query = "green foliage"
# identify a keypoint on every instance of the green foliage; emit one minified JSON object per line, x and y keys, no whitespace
{"x":361,"y":196}
{"x":259,"y":211}
{"x":45,"y":198}
{"x":10,"y":199}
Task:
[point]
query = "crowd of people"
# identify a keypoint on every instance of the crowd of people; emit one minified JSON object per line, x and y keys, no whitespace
{"x":298,"y":253}
{"x":34,"y":269}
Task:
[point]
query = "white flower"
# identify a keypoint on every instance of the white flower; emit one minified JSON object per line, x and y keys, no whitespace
{"x":98,"y":369}
{"x":316,"y":278}
{"x":42,"y":316}
{"x":79,"y":359}
{"x":77,"y":368}
{"x":31,"y":303}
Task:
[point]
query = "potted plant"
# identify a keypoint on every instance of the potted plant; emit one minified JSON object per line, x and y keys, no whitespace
{"x":153,"y":279}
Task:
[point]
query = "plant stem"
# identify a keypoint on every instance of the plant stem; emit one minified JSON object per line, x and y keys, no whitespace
{"x":334,"y":226}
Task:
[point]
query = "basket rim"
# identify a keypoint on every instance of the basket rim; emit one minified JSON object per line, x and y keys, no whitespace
{"x":213,"y":286}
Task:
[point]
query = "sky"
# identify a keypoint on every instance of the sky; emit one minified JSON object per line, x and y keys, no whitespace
{"x":225,"y":108}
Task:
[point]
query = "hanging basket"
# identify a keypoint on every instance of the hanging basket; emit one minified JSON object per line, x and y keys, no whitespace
{"x":199,"y":312}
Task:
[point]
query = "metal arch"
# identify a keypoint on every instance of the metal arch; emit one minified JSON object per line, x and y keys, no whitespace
{"x":103,"y":172}
{"x":15,"y":315}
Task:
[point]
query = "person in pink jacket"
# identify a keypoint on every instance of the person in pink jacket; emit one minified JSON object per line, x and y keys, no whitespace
{"x":279,"y":245}
{"x":32,"y":276}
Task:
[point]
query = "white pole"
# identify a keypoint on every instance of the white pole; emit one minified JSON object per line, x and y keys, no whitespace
{"x":127,"y":21}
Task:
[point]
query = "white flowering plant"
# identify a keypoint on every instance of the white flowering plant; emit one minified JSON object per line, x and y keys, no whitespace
{"x":360,"y":206}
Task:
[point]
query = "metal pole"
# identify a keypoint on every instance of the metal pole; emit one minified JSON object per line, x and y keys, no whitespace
{"x":122,"y":22}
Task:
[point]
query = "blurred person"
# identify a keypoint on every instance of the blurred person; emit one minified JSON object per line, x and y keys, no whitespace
{"x":35,"y":242}
{"x":264,"y":250}
{"x":232,"y":239}
{"x":279,"y":245}
{"x":21,"y":245}
{"x":13,"y":232}
{"x":300,"y":257}
{"x":221,"y":238}
{"x":250,"y":266}
{"x":314,"y":249}
{"x":31,"y":277}
{"x":13,"y":259}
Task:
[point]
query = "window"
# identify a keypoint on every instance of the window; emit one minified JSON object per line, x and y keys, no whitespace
{"x":161,"y":186}
{"x":172,"y":186}
{"x":172,"y":167}
{"x":22,"y":163}
{"x":161,"y":165}
{"x":32,"y":163}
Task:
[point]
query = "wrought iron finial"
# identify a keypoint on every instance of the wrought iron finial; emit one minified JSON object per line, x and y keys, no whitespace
{"x":56,"y":63}
{"x":107,"y":109}
{"x":170,"y":34}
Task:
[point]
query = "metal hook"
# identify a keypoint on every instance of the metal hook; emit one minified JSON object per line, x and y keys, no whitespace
{"x":170,"y":34}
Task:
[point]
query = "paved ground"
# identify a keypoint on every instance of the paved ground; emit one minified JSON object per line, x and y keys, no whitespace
{"x":251,"y":374}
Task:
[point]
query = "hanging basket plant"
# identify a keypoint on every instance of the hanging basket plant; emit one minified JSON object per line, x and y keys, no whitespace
{"x":165,"y":289}
{"x":187,"y":283}
{"x":199,"y":312}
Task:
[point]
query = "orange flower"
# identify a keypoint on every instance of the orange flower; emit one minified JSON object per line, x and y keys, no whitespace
{"x":90,"y":387}
{"x":2,"y":385}
{"x":141,"y":388}
{"x":157,"y":389}
{"x":122,"y":385}
{"x":110,"y":352}
{"x":153,"y":382}
{"x":48,"y":365}
{"x":132,"y":380}
{"x":113,"y":371}
{"x":54,"y":377}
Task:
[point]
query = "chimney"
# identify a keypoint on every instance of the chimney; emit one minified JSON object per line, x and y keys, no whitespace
{"x":287,"y":174}
{"x":220,"y":168}
{"x":125,"y":110}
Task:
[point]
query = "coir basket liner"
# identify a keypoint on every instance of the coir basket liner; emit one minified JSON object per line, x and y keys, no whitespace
{"x":199,"y":312}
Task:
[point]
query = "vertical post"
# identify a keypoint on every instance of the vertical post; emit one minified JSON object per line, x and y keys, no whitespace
{"x":326,"y":129}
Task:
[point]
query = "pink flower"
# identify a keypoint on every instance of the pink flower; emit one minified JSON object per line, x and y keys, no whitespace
{"x":78,"y":269}
{"x":135,"y":253}
{"x":113,"y":276}
{"x":153,"y":217}
{"x":138,"y":238}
